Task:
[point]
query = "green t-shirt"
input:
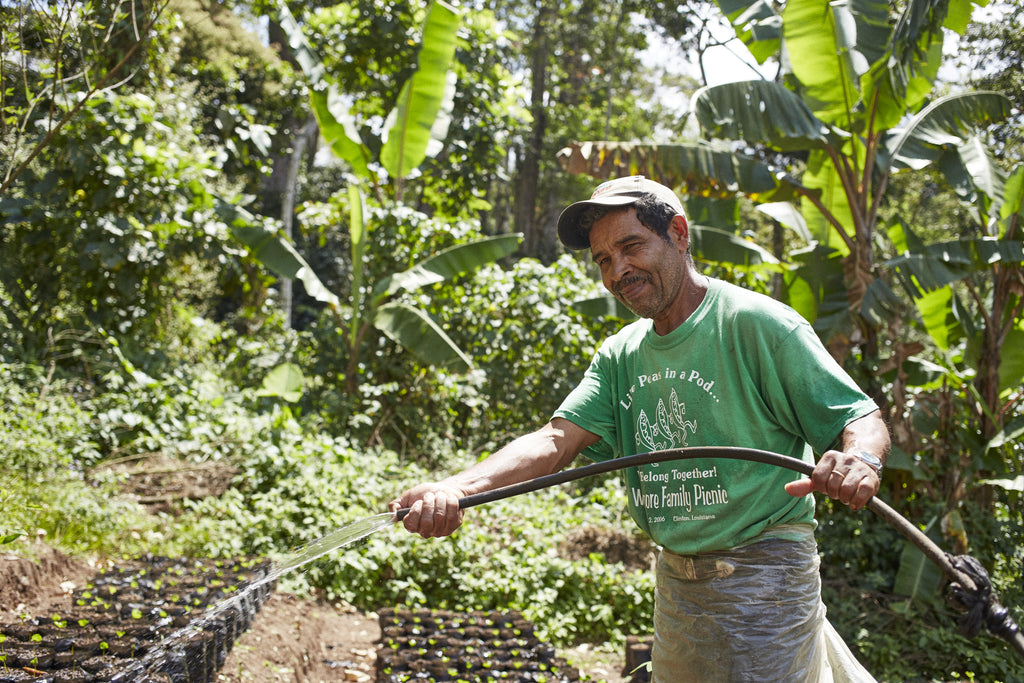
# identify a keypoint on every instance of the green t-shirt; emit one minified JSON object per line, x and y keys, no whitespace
{"x":743,"y":370}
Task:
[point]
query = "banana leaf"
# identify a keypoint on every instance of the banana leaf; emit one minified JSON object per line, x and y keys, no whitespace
{"x":332,"y":111}
{"x":272,"y":250}
{"x":917,"y":577}
{"x":414,"y":330}
{"x":697,"y":169}
{"x":761,"y":112}
{"x":448,"y":264}
{"x":418,"y":124}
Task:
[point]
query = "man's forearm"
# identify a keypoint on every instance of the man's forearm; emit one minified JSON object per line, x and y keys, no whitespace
{"x":434,"y":508}
{"x":532,"y":455}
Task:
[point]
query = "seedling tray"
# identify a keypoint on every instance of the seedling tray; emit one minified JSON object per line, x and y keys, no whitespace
{"x":475,"y":647}
{"x":145,"y":620}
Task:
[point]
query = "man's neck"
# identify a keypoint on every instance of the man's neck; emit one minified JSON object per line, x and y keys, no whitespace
{"x":691,"y":296}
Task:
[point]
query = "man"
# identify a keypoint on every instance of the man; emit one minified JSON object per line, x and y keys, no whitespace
{"x":708,"y":364}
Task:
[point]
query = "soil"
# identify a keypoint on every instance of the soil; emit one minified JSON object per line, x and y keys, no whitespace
{"x":159,"y":482}
{"x":291,"y":639}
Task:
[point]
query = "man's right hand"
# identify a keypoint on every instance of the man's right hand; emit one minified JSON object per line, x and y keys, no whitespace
{"x":433,"y":509}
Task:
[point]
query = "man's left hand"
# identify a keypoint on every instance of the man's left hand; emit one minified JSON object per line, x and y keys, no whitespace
{"x":842,"y":476}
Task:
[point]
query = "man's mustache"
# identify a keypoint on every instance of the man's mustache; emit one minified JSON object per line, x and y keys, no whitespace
{"x":622,"y":284}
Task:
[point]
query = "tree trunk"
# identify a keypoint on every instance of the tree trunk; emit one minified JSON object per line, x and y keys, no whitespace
{"x":529,"y":169}
{"x":1007,"y":280}
{"x":278,"y":197}
{"x":858,"y":275}
{"x":302,"y":139}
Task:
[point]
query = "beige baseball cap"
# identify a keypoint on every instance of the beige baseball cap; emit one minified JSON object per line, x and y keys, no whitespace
{"x":617,"y":192}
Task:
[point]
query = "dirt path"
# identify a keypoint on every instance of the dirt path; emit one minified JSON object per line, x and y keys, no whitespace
{"x":293,"y":639}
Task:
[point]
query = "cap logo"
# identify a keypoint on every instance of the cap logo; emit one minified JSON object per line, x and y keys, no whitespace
{"x":610,"y":185}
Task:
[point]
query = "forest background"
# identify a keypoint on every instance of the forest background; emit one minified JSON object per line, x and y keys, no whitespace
{"x":309,"y":248}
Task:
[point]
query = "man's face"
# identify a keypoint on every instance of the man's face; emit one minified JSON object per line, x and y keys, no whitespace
{"x":644,"y":271}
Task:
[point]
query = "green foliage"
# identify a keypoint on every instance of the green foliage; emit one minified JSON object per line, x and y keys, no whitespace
{"x":31,"y":426}
{"x":289,"y":492}
{"x":412,"y":131}
{"x":396,"y":274}
{"x":46,"y":447}
{"x":416,"y":123}
{"x":532,"y":346}
{"x":369,"y":49}
{"x":506,"y":556}
{"x":993,"y":54}
{"x":503,"y":318}
{"x":247,"y":97}
{"x":903,"y":640}
{"x":189,"y":414}
{"x":54,"y":60}
{"x":101,"y":233}
{"x":284,"y":381}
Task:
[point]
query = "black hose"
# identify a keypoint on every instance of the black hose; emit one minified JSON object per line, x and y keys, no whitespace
{"x":969,"y":583}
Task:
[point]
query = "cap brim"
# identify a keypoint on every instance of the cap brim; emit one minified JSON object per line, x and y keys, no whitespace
{"x":569,"y":230}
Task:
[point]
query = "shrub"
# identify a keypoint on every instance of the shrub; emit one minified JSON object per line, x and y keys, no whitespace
{"x":529,"y":346}
{"x":504,"y":557}
{"x":46,"y":448}
{"x":919,"y":639}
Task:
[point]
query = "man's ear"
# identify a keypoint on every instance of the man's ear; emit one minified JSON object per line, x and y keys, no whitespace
{"x":679,"y":230}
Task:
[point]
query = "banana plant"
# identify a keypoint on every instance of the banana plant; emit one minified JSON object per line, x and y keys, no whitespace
{"x":419,"y":121}
{"x":851,"y":75}
{"x":989,"y":320}
{"x":412,"y":132}
{"x":410,"y":327}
